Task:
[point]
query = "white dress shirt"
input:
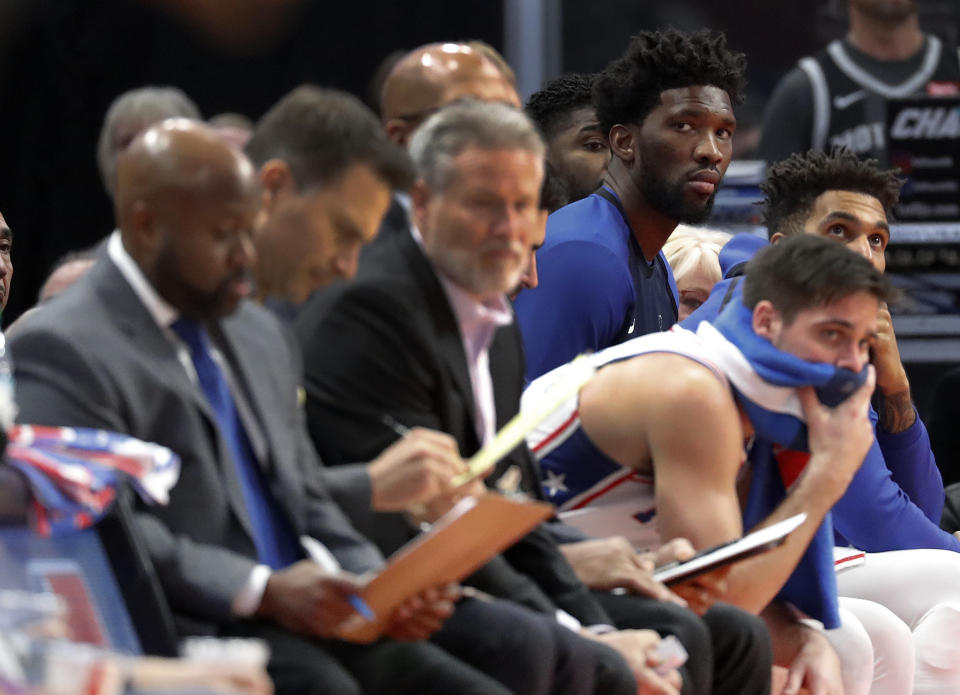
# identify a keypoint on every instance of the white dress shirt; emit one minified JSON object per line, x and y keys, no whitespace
{"x":247,"y":600}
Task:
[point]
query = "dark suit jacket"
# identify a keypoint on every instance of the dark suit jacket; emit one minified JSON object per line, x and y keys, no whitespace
{"x":95,"y":357}
{"x":388,"y":345}
{"x":395,"y":223}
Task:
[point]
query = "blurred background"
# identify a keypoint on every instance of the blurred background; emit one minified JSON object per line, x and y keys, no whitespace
{"x":63,"y":61}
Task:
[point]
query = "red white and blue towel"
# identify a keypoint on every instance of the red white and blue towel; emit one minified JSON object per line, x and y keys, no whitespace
{"x":73,"y":473}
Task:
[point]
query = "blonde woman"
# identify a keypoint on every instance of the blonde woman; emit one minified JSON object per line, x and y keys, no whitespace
{"x":692,"y":253}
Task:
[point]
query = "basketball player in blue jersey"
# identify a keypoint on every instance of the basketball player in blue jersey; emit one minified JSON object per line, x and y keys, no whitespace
{"x":667,"y":106}
{"x":838,"y":96}
{"x":808,"y":318}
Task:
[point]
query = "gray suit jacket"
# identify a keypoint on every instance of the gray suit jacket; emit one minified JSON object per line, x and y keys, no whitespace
{"x":95,"y":357}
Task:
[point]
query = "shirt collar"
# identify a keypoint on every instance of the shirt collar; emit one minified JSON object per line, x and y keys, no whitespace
{"x":162,"y":312}
{"x":406,"y":202}
{"x":473,"y":315}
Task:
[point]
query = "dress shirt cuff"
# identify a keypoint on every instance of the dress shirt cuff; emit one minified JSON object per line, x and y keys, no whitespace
{"x":567,"y":620}
{"x":600,"y":629}
{"x":247,"y":601}
{"x":320,"y":554}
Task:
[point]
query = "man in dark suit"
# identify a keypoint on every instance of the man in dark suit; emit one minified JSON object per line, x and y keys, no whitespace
{"x":158,"y":342}
{"x":327,"y":171}
{"x":424,"y":338}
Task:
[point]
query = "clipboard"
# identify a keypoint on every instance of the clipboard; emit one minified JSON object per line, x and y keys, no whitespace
{"x":466,"y":537}
{"x":724,"y":554}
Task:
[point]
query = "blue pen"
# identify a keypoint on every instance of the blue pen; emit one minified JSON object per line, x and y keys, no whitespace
{"x":361,"y":607}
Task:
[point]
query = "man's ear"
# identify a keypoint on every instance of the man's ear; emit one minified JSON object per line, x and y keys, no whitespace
{"x":777,"y":236}
{"x":397,"y":131}
{"x":767,"y":322}
{"x":623,"y":143}
{"x":541,"y":222}
{"x":142,"y":234}
{"x":143,"y":224}
{"x":420,"y":197}
{"x":275,"y":180}
{"x":420,"y":194}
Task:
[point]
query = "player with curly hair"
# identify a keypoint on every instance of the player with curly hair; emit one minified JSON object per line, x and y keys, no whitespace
{"x":795,"y":184}
{"x":898,"y":581}
{"x":577,"y":149}
{"x":667,"y":107}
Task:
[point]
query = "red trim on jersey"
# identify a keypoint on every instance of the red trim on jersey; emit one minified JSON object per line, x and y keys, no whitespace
{"x":849,"y":558}
{"x":602,"y":491}
{"x":557,"y":432}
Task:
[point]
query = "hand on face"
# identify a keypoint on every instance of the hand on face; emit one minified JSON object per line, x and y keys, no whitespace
{"x":891,"y":376}
{"x":839,"y":437}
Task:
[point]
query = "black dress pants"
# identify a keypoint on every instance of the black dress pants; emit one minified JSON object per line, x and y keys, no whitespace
{"x":531,"y":653}
{"x":303,"y":666}
{"x":486,"y":647}
{"x":729,"y":649}
{"x":742,"y":653}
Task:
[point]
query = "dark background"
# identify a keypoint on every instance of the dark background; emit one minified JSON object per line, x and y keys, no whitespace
{"x":63,"y":61}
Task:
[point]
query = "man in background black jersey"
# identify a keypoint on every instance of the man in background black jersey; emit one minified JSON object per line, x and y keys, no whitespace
{"x":838,"y":96}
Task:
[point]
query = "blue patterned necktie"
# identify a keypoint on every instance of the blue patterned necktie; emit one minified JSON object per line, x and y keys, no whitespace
{"x":273,"y":537}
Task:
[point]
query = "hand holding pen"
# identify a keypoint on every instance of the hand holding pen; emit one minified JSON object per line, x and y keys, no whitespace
{"x":418,"y":468}
{"x":310,"y":600}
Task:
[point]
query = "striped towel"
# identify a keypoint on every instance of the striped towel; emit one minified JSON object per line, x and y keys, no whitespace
{"x":73,"y":473}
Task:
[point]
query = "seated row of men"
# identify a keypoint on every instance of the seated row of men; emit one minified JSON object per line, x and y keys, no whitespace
{"x":161,"y":341}
{"x":899,"y":602}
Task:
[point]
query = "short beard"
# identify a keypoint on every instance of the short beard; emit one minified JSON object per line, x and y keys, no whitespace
{"x":457,"y":266}
{"x":192,"y":303}
{"x":669,"y":201}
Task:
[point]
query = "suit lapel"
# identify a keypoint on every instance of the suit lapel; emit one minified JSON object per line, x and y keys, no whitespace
{"x":256,"y":379}
{"x":253,"y":378}
{"x":138,"y":324}
{"x":506,"y":364}
{"x":447,"y":331}
{"x":506,"y":373}
{"x":135,"y":320}
{"x":396,"y":218}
